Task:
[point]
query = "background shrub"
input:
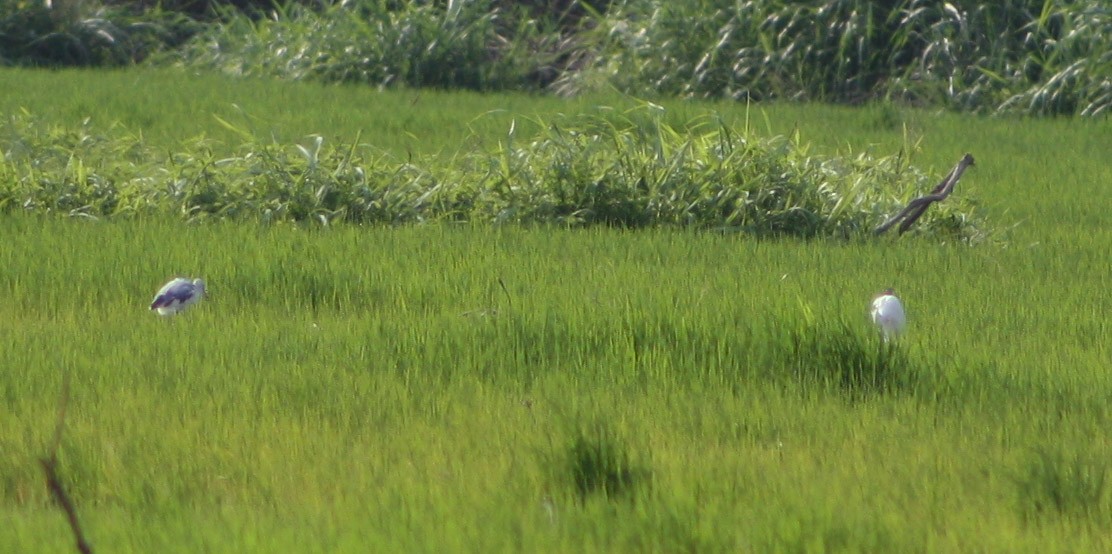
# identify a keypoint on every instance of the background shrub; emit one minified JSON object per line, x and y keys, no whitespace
{"x":1031,"y":56}
{"x":1038,"y":56}
{"x":86,"y":33}
{"x":620,"y":170}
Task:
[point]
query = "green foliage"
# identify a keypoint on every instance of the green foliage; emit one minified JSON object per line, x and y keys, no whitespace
{"x":206,"y":10}
{"x":621,"y":170}
{"x":841,"y":357}
{"x":633,"y":171}
{"x":471,"y":45}
{"x":1028,"y":56}
{"x":1036,"y":56}
{"x":551,"y":389}
{"x":85,"y":33}
{"x":1055,"y":485}
{"x":598,"y":463}
{"x":1066,"y":65}
{"x":421,"y":388}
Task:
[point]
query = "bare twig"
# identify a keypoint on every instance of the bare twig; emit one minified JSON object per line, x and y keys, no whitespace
{"x":917,"y":207}
{"x":53,"y":483}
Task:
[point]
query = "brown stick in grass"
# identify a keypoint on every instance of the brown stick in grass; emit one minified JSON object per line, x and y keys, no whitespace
{"x":917,"y":207}
{"x":53,"y":483}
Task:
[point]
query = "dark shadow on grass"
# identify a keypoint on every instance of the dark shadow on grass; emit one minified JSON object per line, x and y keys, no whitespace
{"x":596,"y":463}
{"x":855,"y":363}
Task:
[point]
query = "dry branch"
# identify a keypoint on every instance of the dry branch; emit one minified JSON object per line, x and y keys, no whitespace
{"x":53,"y":483}
{"x":918,"y":206}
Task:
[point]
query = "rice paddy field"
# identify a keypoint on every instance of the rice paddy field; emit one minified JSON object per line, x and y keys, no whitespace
{"x":466,"y":387}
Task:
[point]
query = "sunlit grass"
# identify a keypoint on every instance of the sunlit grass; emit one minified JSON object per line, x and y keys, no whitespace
{"x":625,"y":168}
{"x":467,"y":388}
{"x":382,"y":388}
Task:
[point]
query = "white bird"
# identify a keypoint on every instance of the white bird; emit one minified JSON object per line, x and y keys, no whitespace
{"x":888,"y":314}
{"x":178,"y":295}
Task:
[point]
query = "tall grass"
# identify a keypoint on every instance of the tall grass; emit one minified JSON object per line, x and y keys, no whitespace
{"x":1031,"y":56}
{"x":471,"y":45}
{"x":1017,"y":182}
{"x":469,"y":388}
{"x":85,"y":33}
{"x":624,"y":170}
{"x":463,"y":387}
{"x":1027,"y":56}
{"x":1041,"y":57}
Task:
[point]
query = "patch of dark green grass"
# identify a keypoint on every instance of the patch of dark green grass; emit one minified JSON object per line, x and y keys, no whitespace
{"x":844,"y":358}
{"x":599,"y":463}
{"x":1057,"y":484}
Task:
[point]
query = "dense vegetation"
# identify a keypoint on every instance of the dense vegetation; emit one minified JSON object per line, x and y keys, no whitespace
{"x":618,"y":169}
{"x":435,"y":387}
{"x":1027,"y":56}
{"x":454,"y":386}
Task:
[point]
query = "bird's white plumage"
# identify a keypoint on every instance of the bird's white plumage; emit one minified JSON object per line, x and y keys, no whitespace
{"x":888,"y":314}
{"x":178,"y":295}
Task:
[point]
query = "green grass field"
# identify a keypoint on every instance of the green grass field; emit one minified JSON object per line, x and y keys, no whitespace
{"x":467,"y":388}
